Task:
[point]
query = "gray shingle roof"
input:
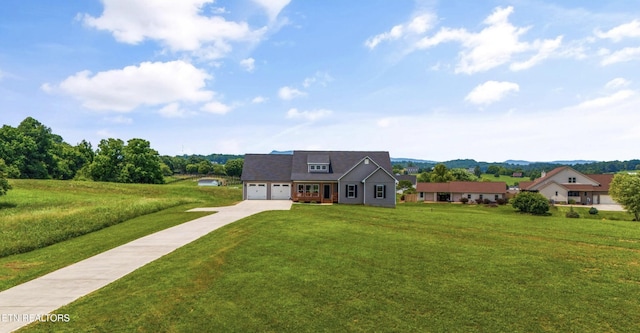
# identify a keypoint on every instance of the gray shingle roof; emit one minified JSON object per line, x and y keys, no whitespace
{"x":266,"y":167}
{"x":341,"y":162}
{"x":274,"y":167}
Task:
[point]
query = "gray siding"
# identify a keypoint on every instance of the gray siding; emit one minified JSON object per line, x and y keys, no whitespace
{"x":380,"y":177}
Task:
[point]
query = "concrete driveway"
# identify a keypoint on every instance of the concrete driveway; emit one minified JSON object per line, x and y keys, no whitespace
{"x":603,"y":207}
{"x":22,"y":304}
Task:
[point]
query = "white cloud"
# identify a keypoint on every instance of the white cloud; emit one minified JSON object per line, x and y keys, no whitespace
{"x":545,"y":49}
{"x":312,"y":115}
{"x":216,"y":107}
{"x":617,"y":83}
{"x":387,"y":122}
{"x":289,"y":93}
{"x":173,"y":110}
{"x":498,"y":43}
{"x":602,"y":103}
{"x":248,"y":64}
{"x":491,"y":92}
{"x":624,"y":55}
{"x":321,"y":78}
{"x":148,"y":84}
{"x":418,"y":25}
{"x":272,"y":7}
{"x":178,"y":25}
{"x":627,"y":30}
{"x":258,"y":100}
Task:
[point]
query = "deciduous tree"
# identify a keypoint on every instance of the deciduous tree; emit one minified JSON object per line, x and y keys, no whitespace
{"x":4,"y":184}
{"x":625,"y":189}
{"x":531,"y":202}
{"x":440,"y":174}
{"x":234,"y":167}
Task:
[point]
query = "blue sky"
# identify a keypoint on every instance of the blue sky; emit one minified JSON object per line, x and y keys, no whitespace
{"x":437,"y":80}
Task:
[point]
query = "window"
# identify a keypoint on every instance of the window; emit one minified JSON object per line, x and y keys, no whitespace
{"x":496,"y":197}
{"x":468,"y":196}
{"x":572,"y":179}
{"x":480,"y":197}
{"x":311,"y":190}
{"x":573,"y":194}
{"x":318,"y":168}
{"x":379,"y":191}
{"x":352,"y":191}
{"x":300,"y":189}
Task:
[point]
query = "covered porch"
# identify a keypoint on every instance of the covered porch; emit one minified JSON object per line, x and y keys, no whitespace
{"x":318,"y":192}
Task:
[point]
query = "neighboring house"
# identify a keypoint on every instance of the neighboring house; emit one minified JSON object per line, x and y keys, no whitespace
{"x":412,"y":178}
{"x":454,"y":191}
{"x":411,"y":170}
{"x":351,"y":177}
{"x":564,"y":183}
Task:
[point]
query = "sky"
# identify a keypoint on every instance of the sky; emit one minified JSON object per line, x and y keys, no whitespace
{"x":488,"y":80}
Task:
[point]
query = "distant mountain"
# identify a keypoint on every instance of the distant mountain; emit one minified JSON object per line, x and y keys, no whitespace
{"x":517,"y":162}
{"x":573,"y":162}
{"x":570,"y":162}
{"x":413,"y":160}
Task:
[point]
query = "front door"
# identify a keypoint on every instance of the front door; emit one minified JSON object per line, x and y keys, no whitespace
{"x":327,"y":192}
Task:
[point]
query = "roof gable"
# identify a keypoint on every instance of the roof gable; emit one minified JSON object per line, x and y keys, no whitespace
{"x":340,"y":163}
{"x":552,"y":176}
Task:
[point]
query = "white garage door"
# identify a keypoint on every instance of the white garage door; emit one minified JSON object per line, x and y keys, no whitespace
{"x":606,"y":200}
{"x":280,"y":191}
{"x":257,"y":191}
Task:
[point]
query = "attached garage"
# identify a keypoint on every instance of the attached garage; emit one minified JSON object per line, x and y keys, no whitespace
{"x":605,"y":200}
{"x":280,"y":191}
{"x":257,"y":191}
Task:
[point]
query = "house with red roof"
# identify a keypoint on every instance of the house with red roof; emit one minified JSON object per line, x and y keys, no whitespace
{"x":456,"y":190}
{"x":563,"y":184}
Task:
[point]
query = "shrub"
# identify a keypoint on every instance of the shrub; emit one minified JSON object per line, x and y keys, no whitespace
{"x":464,"y":200}
{"x":531,"y":202}
{"x":593,"y":210}
{"x":501,"y":201}
{"x":571,"y":202}
{"x":572,"y":214}
{"x":486,"y":201}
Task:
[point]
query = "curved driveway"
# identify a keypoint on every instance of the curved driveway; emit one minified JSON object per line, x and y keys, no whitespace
{"x":20,"y":304}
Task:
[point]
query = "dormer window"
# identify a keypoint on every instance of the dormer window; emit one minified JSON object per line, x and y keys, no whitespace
{"x":318,"y":168}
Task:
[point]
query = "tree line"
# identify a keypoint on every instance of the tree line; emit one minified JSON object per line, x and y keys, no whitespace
{"x":32,"y":151}
{"x":531,"y":170}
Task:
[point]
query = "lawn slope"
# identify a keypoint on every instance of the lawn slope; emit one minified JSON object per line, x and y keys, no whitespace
{"x":417,"y":268}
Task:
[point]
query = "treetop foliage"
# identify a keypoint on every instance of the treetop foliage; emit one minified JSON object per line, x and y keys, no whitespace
{"x":625,"y":189}
{"x":531,"y":202}
{"x":32,"y":150}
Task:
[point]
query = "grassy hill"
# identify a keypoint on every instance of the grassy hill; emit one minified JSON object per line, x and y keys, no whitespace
{"x":48,"y":224}
{"x":416,"y":268}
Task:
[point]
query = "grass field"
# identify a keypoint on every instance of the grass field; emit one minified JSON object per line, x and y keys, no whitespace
{"x":507,"y":179}
{"x":46,"y":225}
{"x":416,"y":268}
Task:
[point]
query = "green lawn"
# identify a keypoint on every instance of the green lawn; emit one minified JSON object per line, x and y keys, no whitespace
{"x":46,"y":225}
{"x":416,"y":268}
{"x":507,"y":179}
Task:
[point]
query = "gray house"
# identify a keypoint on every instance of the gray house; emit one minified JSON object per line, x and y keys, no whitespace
{"x":351,"y":177}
